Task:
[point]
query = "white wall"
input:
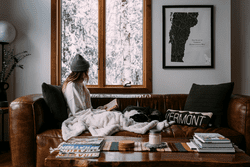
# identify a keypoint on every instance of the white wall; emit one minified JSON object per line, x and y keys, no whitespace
{"x":181,"y":80}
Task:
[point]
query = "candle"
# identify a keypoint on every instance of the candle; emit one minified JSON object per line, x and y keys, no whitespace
{"x":154,"y":137}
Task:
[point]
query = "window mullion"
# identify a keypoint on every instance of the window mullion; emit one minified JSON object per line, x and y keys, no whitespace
{"x":147,"y":45}
{"x":101,"y":43}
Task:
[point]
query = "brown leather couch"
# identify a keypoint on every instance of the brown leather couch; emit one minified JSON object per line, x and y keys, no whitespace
{"x":31,"y":137}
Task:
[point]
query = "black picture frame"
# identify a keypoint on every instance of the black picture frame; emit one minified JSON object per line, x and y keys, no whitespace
{"x":188,"y":36}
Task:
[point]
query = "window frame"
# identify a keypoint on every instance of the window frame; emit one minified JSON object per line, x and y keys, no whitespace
{"x":146,"y":87}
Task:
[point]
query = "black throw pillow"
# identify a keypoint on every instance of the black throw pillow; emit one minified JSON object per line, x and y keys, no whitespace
{"x":210,"y":98}
{"x":54,"y":98}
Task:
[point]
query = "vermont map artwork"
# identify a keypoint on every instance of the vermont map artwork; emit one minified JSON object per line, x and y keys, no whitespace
{"x":179,"y":33}
{"x":187,"y":39}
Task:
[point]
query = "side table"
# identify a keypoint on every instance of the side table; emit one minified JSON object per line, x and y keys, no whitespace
{"x":3,"y":110}
{"x":4,"y":146}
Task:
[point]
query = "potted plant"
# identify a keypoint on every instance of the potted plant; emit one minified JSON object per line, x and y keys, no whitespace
{"x":10,"y":62}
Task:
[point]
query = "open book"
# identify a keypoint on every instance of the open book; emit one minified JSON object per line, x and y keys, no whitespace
{"x":111,"y":105}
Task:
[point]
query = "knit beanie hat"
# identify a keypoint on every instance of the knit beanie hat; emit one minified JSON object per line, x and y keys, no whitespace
{"x":79,"y":64}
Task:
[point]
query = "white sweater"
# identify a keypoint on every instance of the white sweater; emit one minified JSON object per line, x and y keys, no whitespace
{"x":77,"y":97}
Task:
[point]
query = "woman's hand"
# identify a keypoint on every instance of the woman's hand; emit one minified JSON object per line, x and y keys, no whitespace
{"x":101,"y":108}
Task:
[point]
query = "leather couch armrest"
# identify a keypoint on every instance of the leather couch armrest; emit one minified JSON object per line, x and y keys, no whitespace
{"x":26,"y":118}
{"x":238,"y":116}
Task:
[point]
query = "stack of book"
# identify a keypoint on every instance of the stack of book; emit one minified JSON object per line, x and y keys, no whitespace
{"x":211,"y":142}
{"x":82,"y":148}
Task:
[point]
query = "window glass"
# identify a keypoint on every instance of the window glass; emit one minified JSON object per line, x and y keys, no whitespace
{"x":79,"y":34}
{"x":124,"y":41}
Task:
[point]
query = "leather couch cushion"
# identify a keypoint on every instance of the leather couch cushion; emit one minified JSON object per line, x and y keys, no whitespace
{"x":177,"y":131}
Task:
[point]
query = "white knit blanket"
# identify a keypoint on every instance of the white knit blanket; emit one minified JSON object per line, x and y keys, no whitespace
{"x":105,"y":123}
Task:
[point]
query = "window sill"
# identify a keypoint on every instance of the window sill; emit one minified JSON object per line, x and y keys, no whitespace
{"x":121,"y":90}
{"x":119,"y":95}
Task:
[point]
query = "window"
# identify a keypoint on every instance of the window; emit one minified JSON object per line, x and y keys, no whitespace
{"x":114,"y":35}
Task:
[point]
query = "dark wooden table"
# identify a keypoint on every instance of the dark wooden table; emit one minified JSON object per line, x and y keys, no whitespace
{"x":153,"y":159}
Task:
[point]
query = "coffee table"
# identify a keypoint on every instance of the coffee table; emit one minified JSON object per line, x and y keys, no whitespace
{"x":153,"y":159}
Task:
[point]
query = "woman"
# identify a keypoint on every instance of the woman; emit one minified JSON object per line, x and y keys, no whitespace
{"x":81,"y":115}
{"x":75,"y":91}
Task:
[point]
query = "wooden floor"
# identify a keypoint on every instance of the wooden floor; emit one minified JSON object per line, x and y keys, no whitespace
{"x":5,"y":159}
{"x":5,"y":156}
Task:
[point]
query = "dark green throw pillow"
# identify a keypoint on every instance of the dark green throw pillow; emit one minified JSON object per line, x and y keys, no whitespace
{"x":210,"y":98}
{"x":54,"y":98}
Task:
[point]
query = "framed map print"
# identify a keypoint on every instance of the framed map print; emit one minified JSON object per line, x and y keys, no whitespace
{"x":188,"y":36}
